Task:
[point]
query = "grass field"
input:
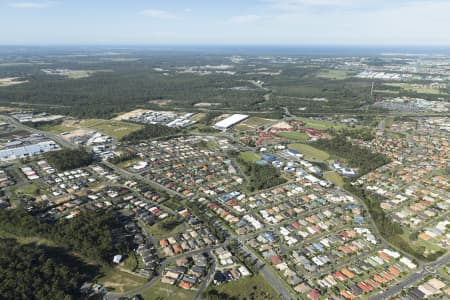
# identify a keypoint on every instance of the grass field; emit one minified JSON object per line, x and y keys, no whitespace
{"x":254,"y":287}
{"x":56,"y":128}
{"x":389,"y":92}
{"x":198,"y":117}
{"x":334,"y":178}
{"x":310,"y":153}
{"x":165,"y":291}
{"x":252,"y":123}
{"x":334,"y":74}
{"x":118,"y":280}
{"x":299,"y":136}
{"x":159,"y":232}
{"x":31,"y":189}
{"x":249,"y":156}
{"x":115,"y":129}
{"x":321,"y":125}
{"x":389,"y":122}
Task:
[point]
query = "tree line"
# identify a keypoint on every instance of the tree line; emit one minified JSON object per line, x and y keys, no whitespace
{"x":90,"y":233}
{"x":356,"y":156}
{"x":30,"y":271}
{"x":68,"y":159}
{"x":150,"y":131}
{"x":260,"y":176}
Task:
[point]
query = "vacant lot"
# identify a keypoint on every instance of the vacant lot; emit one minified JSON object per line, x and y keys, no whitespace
{"x":119,"y":280}
{"x":254,"y":287}
{"x":8,"y":81}
{"x":310,"y":153}
{"x":164,"y":291}
{"x":252,"y":123}
{"x":334,"y":74}
{"x":115,"y":129}
{"x":321,"y":124}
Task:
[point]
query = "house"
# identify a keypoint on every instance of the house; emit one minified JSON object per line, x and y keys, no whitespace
{"x":117,"y":259}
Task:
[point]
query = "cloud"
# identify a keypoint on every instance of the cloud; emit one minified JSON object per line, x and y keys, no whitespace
{"x":244,"y":19}
{"x":159,"y":14}
{"x":31,"y":4}
{"x":289,"y":5}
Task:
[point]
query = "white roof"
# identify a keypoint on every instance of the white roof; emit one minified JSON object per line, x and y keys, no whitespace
{"x":230,"y":121}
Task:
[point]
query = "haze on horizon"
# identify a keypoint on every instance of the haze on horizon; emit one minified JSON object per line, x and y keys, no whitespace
{"x":249,"y":22}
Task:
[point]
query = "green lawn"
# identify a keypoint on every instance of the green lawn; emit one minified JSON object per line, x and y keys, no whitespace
{"x":119,"y":281}
{"x":310,"y":153}
{"x":299,"y":136}
{"x":334,"y":178}
{"x":254,"y":287}
{"x":161,"y":291}
{"x":249,"y":156}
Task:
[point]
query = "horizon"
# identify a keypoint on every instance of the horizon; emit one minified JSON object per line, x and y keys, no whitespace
{"x":247,"y":22}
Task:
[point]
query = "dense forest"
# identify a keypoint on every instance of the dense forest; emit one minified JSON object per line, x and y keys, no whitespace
{"x":150,"y":131}
{"x":140,"y":79}
{"x":90,"y":233}
{"x":67,"y":159}
{"x":30,"y":271}
{"x":357,"y":157}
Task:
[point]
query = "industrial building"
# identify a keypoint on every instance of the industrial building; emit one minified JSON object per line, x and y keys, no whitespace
{"x":230,"y":121}
{"x":28,"y":150}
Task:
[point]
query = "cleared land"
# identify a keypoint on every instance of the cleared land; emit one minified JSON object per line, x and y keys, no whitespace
{"x":252,"y":123}
{"x":254,"y":287}
{"x":164,"y":291}
{"x":9,"y":81}
{"x":310,"y":153}
{"x":334,"y":74}
{"x":320,"y":124}
{"x":115,"y":129}
{"x":119,"y":280}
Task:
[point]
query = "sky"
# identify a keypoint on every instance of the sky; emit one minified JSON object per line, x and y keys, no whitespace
{"x":225,"y":22}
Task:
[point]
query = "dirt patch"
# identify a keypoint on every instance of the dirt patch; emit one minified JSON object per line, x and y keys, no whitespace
{"x":131,"y":114}
{"x":8,"y":81}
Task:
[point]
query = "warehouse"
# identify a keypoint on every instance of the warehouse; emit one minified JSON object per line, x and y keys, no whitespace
{"x":230,"y":121}
{"x":29,"y":150}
